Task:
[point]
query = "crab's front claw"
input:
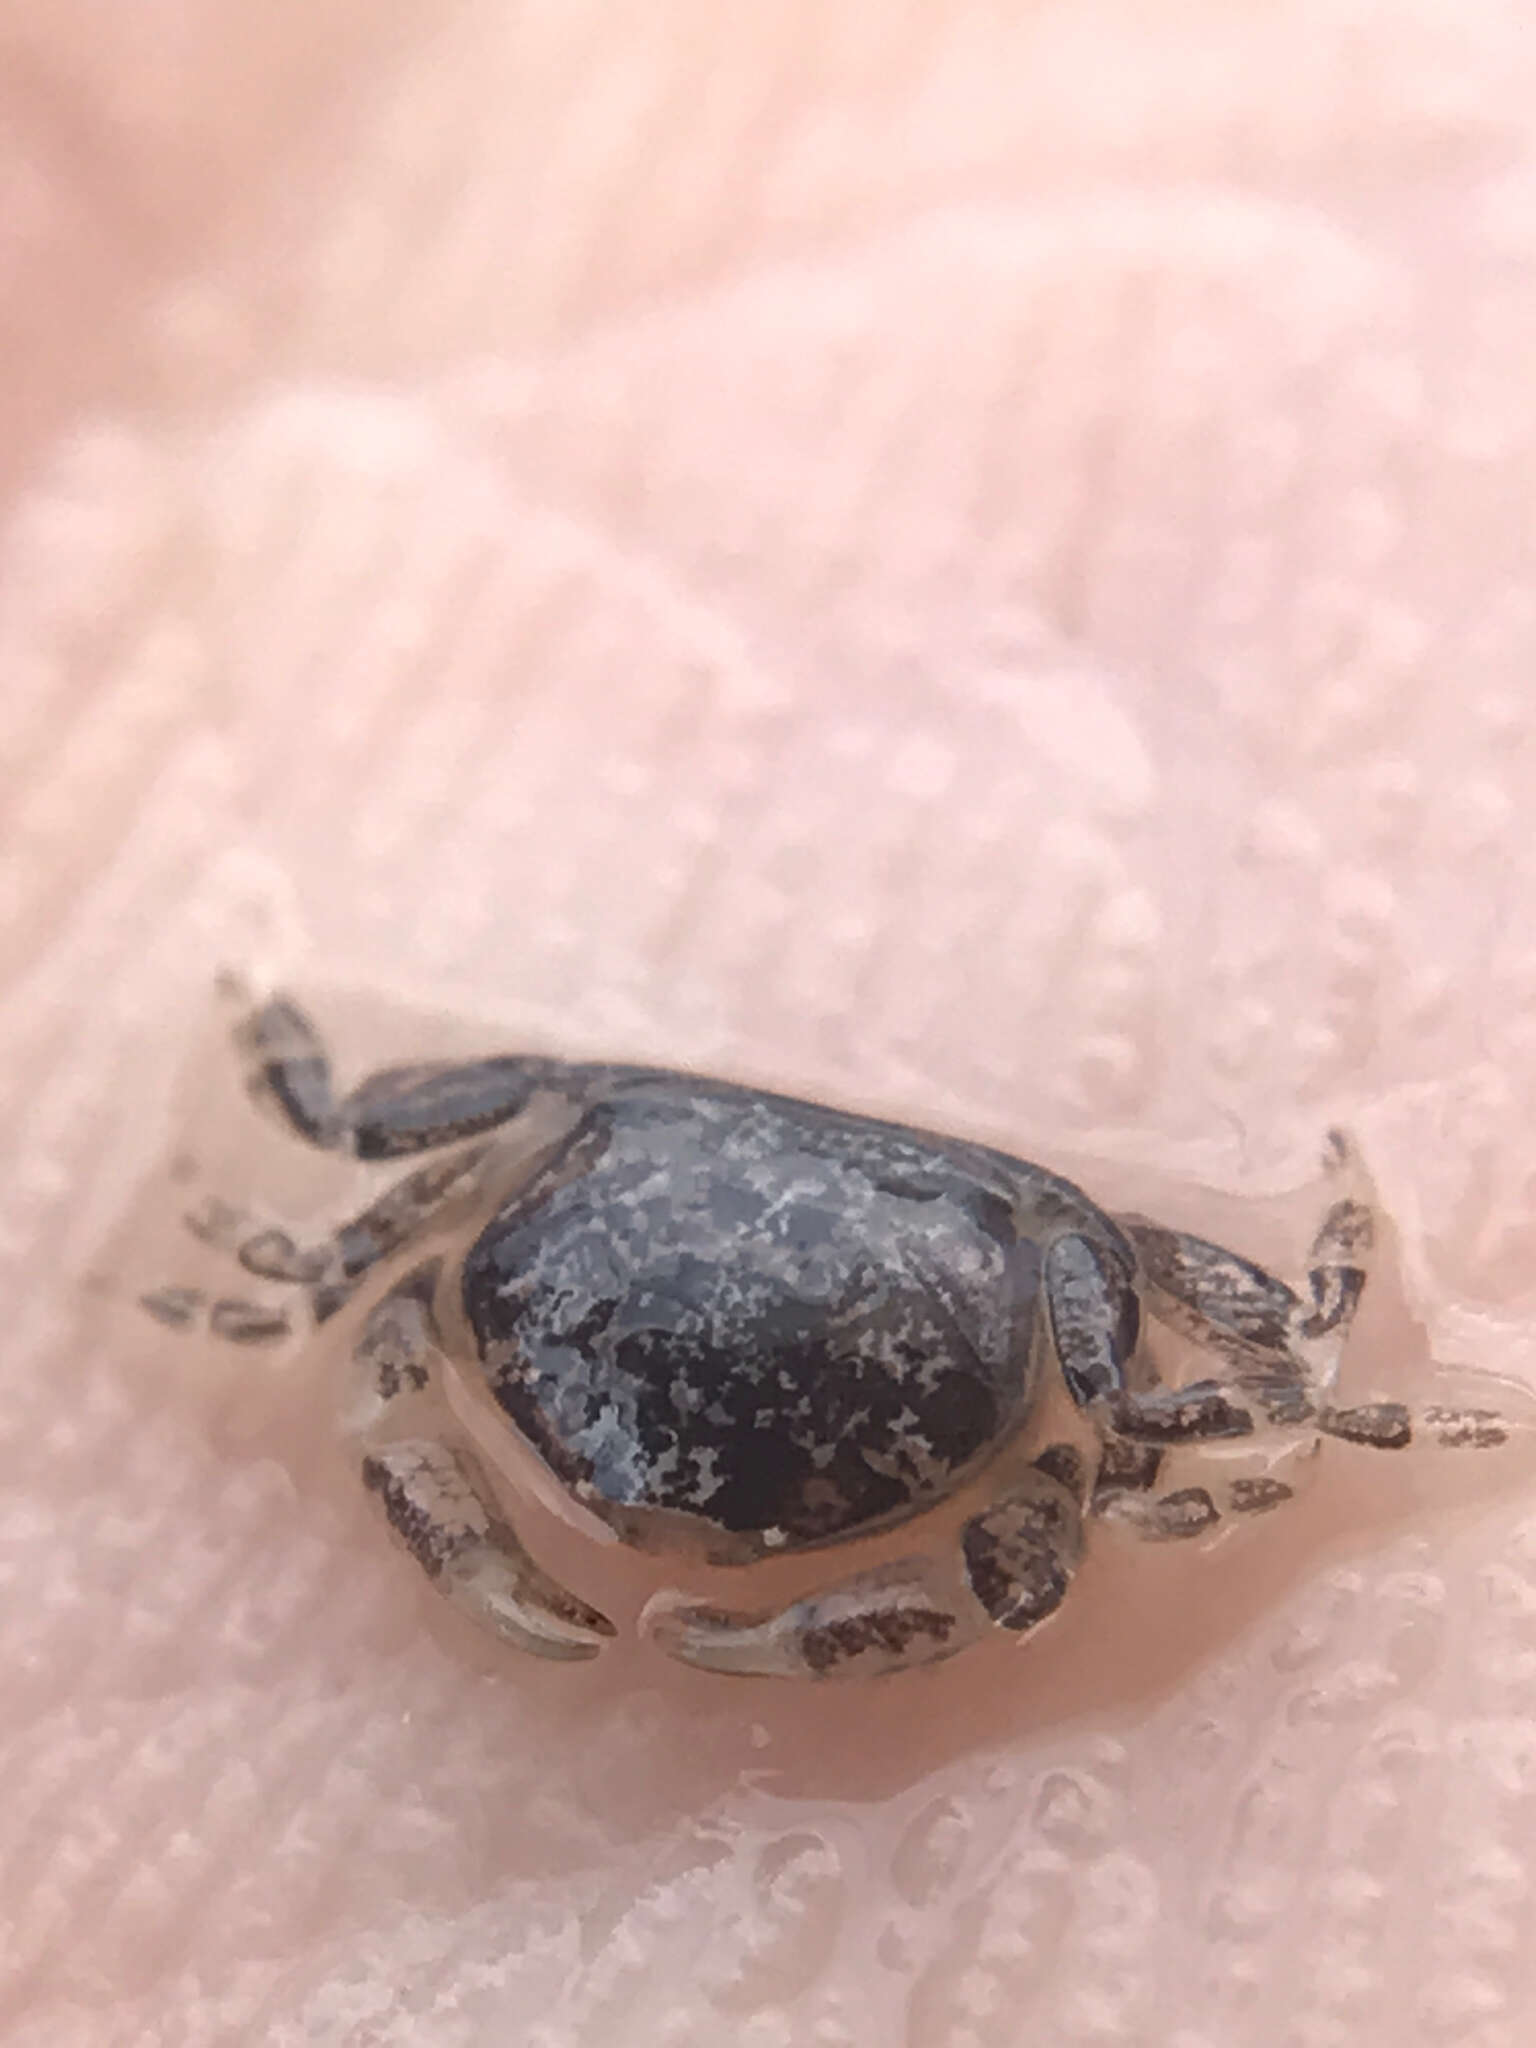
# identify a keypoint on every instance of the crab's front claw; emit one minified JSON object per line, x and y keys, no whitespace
{"x":502,"y":1588}
{"x":887,"y":1619}
{"x":439,"y":1507}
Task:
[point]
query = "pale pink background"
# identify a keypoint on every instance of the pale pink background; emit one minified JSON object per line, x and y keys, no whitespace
{"x":976,"y":559}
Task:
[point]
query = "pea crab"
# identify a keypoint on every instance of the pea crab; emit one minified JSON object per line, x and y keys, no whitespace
{"x":732,"y":1325}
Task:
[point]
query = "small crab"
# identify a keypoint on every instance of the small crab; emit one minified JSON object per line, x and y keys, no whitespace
{"x":734,"y":1325}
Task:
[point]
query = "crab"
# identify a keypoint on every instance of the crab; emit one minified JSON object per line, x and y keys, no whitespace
{"x":732,"y":1325}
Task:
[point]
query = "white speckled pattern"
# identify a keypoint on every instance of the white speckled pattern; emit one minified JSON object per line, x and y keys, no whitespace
{"x":973,"y":560}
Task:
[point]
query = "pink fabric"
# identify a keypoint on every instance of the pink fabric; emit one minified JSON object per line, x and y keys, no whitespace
{"x":974,"y":560}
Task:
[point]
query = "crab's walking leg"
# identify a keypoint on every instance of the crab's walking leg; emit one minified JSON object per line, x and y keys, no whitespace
{"x":1011,"y":1571}
{"x":1283,"y":1349}
{"x":1095,"y":1326}
{"x":1093,"y":1310}
{"x":397,"y":1111}
{"x":329,"y":1269}
{"x":1185,"y":1512}
{"x":234,"y":1318}
{"x":434,"y":1495}
{"x":1126,"y":1495}
{"x":1280,"y":1351}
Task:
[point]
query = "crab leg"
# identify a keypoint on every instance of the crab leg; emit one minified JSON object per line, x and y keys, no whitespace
{"x":1011,"y":1571}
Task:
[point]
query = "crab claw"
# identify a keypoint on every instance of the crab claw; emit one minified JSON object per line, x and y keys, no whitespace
{"x":506,"y":1591}
{"x":437,"y":1505}
{"x":883,"y":1620}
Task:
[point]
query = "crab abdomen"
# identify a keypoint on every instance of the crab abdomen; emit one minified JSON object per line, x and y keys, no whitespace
{"x":786,"y":1322}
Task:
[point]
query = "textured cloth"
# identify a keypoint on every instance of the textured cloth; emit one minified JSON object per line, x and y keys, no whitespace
{"x":971,"y":560}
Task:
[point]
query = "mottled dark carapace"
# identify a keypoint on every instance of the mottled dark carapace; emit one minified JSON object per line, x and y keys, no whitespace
{"x":793,"y":1323}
